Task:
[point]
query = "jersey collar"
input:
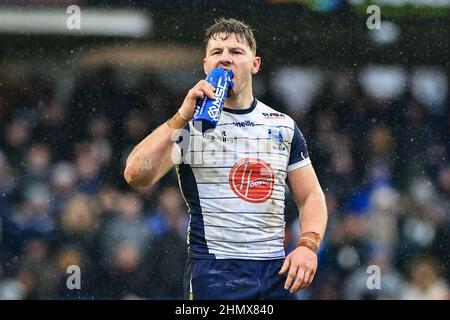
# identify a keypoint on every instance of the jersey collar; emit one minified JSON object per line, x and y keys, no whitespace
{"x":242,"y":111}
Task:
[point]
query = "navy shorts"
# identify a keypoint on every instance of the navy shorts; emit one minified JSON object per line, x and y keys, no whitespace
{"x":234,"y":279}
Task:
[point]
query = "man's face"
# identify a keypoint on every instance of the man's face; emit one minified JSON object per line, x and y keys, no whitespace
{"x":232,"y":53}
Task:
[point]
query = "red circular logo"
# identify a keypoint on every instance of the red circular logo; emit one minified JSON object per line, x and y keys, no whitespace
{"x":252,"y":180}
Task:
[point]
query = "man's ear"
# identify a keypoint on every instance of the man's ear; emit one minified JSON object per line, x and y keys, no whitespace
{"x":204,"y":66}
{"x":256,"y":65}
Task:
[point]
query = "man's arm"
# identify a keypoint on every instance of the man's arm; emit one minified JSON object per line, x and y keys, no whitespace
{"x":308,"y":195}
{"x":151,"y":159}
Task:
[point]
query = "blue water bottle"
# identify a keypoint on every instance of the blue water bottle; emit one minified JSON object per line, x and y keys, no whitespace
{"x":207,"y":112}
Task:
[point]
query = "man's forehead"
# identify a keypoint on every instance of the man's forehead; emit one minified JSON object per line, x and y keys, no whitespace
{"x":223,"y":39}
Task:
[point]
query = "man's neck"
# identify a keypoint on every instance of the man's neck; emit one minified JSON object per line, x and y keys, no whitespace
{"x":239,"y":101}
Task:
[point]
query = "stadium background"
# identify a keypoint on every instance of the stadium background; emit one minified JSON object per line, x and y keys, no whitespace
{"x":372,"y":104}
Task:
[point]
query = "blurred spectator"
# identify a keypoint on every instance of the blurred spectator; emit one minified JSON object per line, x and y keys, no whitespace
{"x":382,"y":220}
{"x":167,"y":254}
{"x":17,"y":140}
{"x":7,"y":181}
{"x":38,"y":159}
{"x":88,"y":168}
{"x":41,"y":265}
{"x":128,"y":226}
{"x":18,"y":288}
{"x":124,"y":275}
{"x":31,"y":219}
{"x":63,"y":184}
{"x":51,"y":128}
{"x":170,"y":211}
{"x":100,"y":143}
{"x":425,"y":281}
{"x":79,"y":221}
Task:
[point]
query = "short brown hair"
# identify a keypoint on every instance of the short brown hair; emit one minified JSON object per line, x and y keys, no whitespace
{"x":228,"y":26}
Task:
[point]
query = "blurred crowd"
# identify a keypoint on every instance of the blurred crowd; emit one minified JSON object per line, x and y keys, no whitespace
{"x":383,"y":165}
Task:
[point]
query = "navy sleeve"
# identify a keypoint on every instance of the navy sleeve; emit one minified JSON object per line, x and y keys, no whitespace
{"x":299,"y":156}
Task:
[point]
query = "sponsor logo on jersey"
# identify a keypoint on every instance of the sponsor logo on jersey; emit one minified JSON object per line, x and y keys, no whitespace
{"x":273,"y":115}
{"x":242,"y":124}
{"x":208,"y":136}
{"x":252,"y":180}
{"x":225,"y":138}
{"x":277,"y":138}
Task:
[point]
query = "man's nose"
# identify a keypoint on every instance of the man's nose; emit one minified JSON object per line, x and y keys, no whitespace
{"x":225,"y":58}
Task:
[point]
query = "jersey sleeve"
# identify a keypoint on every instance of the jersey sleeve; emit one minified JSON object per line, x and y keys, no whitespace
{"x":299,"y":156}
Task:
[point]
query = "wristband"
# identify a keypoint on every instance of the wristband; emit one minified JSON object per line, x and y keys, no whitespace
{"x":177,"y":121}
{"x":310,"y":240}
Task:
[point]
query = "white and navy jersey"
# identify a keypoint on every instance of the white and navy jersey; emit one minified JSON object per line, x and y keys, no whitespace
{"x":233,"y":181}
